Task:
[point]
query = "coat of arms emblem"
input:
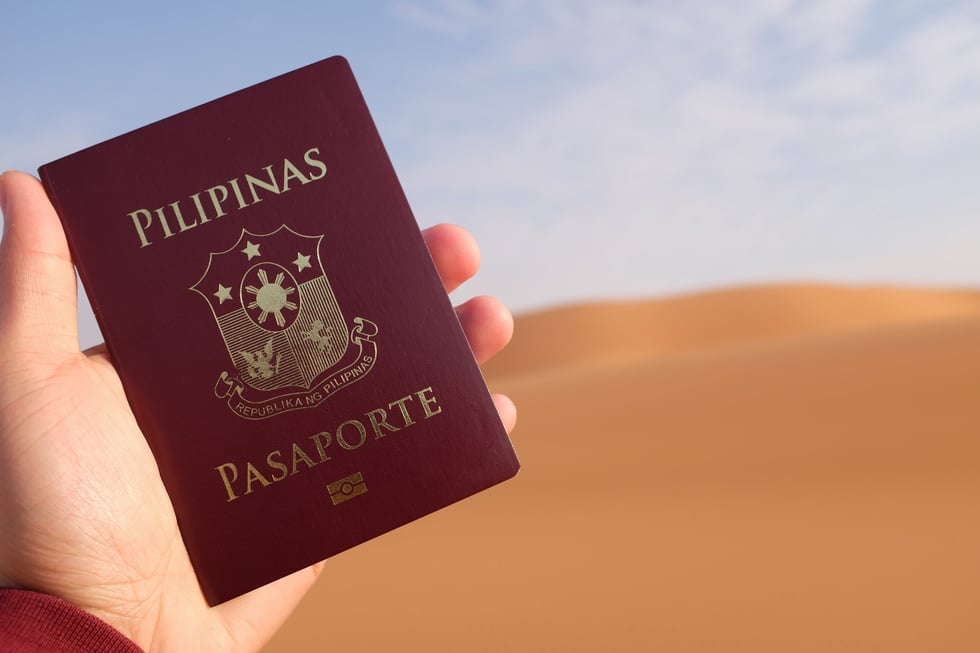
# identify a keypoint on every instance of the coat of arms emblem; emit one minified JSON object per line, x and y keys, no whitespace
{"x":287,"y":338}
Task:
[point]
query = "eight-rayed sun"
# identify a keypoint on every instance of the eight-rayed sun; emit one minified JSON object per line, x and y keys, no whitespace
{"x":271,"y":297}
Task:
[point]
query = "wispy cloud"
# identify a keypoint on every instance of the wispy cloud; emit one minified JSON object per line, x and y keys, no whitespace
{"x":635,"y":148}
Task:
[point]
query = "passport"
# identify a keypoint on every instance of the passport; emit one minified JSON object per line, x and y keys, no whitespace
{"x":282,"y":334}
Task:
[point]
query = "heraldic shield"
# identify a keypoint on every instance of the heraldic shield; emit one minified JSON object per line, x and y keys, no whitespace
{"x":286,"y":336}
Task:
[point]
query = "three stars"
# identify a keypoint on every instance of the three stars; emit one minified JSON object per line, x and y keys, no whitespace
{"x":251,"y":250}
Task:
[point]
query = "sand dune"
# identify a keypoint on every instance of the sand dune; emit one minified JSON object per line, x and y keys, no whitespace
{"x":580,"y":335}
{"x":773,"y":469}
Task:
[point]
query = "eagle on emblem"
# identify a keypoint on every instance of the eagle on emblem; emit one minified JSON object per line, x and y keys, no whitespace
{"x":263,"y":364}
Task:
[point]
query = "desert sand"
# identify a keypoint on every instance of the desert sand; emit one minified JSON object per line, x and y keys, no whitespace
{"x":791,"y":468}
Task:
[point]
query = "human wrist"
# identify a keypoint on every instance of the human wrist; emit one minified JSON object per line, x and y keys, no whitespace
{"x":33,"y":622}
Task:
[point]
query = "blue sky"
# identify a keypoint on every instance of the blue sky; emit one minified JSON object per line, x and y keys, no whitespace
{"x":598,"y":150}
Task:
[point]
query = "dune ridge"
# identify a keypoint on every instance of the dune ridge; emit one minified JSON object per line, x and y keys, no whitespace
{"x":575,"y":335}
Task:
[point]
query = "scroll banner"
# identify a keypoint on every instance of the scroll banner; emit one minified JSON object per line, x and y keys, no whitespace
{"x":356,"y":364}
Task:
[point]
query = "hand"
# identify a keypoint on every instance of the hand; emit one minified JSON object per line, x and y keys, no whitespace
{"x":83,"y":513}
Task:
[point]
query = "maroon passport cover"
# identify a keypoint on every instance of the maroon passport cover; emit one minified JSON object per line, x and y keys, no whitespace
{"x":281,"y":332}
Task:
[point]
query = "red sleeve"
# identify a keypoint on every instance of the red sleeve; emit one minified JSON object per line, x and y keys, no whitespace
{"x":31,"y":622}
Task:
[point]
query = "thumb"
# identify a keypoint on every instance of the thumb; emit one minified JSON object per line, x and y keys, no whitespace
{"x":38,"y":291}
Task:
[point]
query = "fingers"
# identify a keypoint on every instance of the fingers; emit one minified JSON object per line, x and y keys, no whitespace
{"x":488,"y":326}
{"x":38,"y":304}
{"x":455,"y":253}
{"x":487,"y":322}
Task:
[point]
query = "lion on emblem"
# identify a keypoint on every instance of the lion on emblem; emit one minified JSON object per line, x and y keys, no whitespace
{"x":316,"y":334}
